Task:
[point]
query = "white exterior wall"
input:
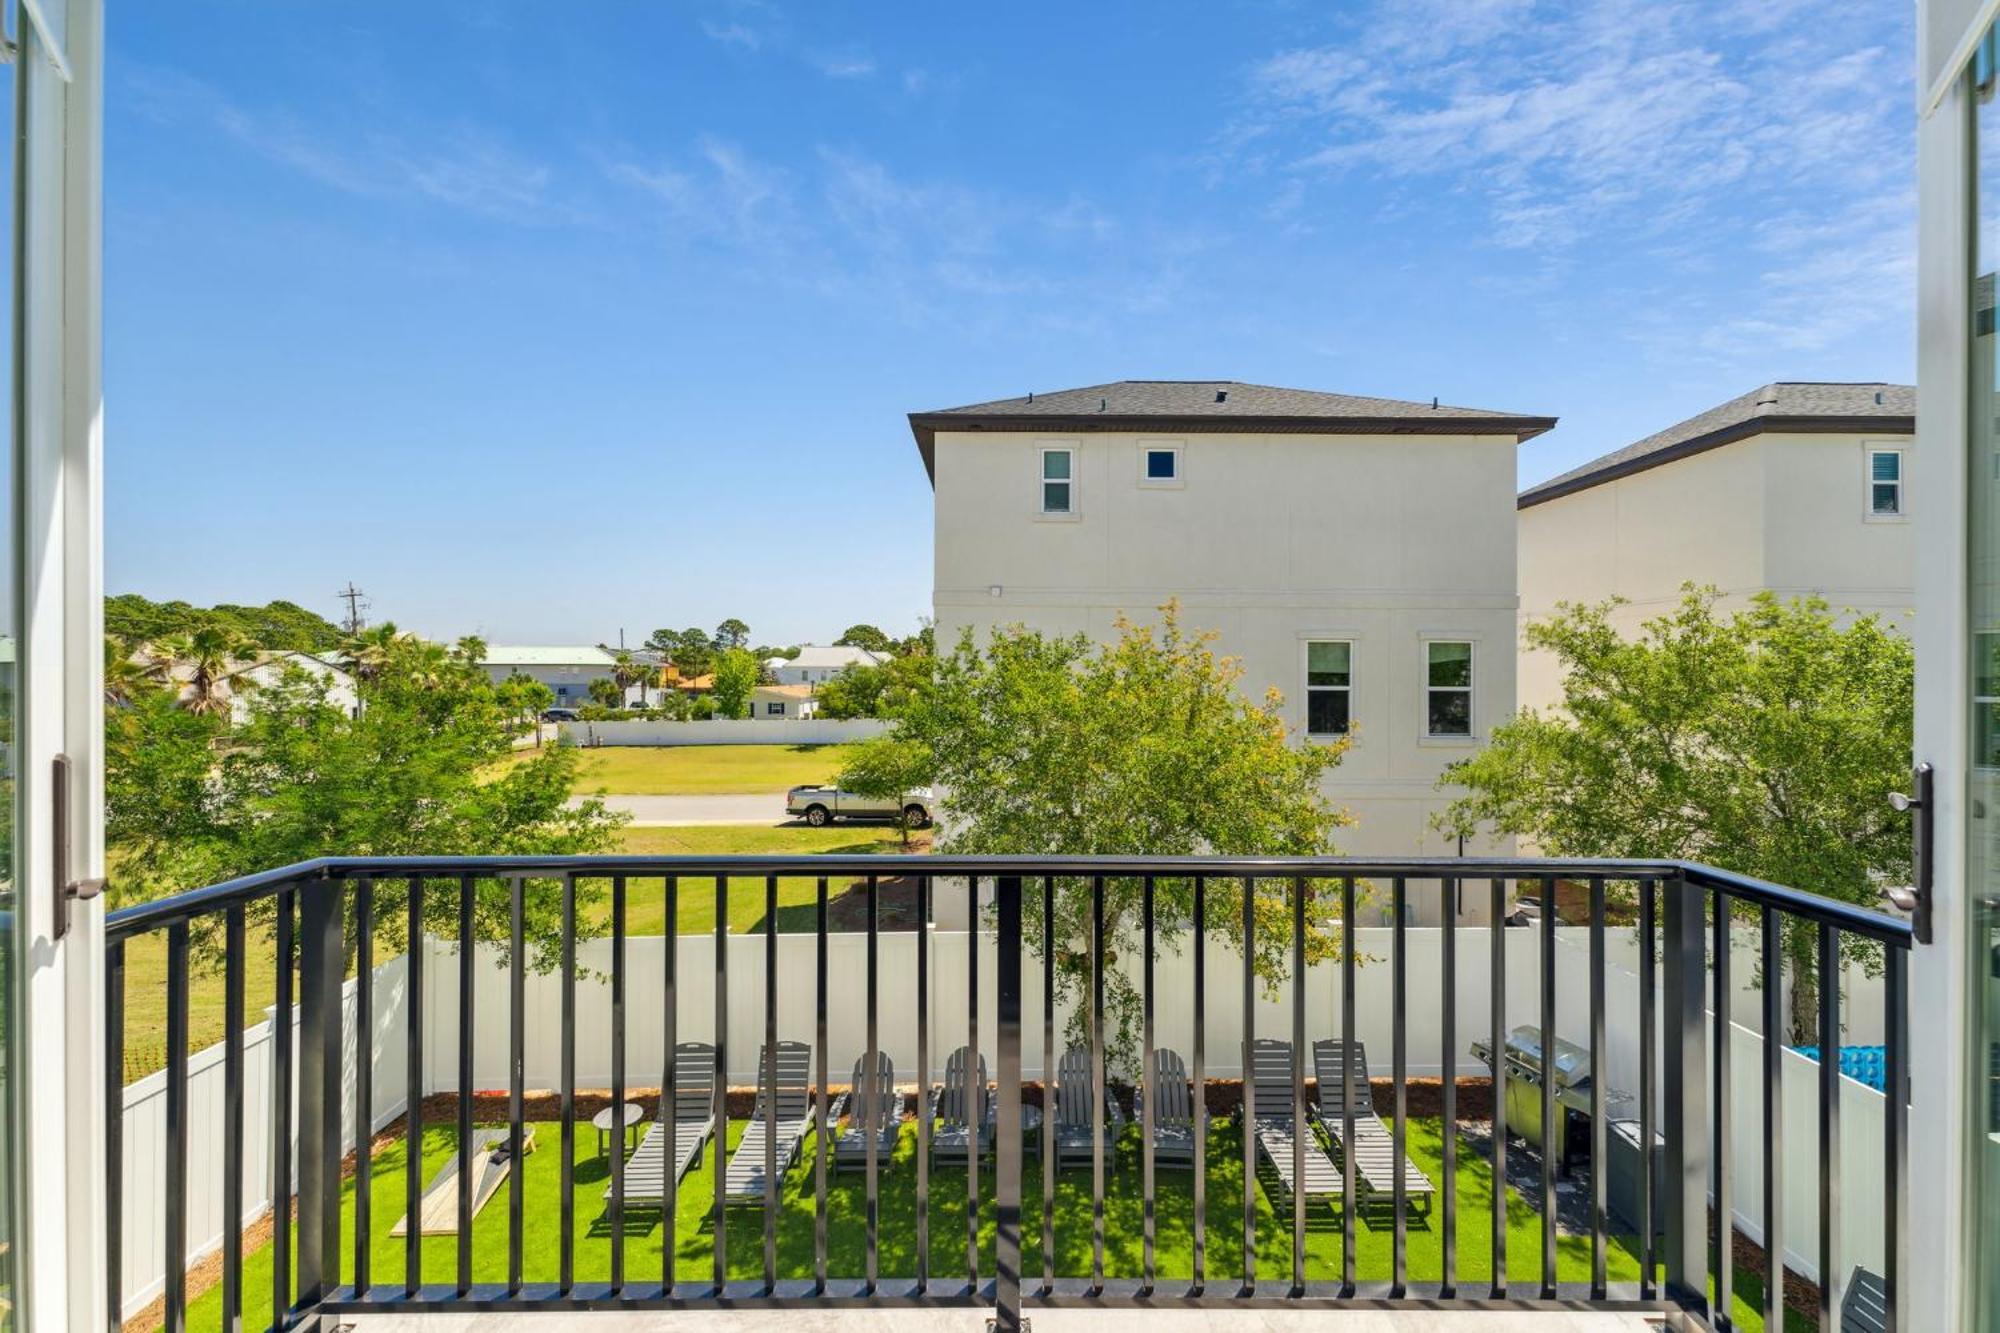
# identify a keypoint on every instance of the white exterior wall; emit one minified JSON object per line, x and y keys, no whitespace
{"x":1780,"y":512}
{"x":571,"y":683}
{"x":1269,"y":540}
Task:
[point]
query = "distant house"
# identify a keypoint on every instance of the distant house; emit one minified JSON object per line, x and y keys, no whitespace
{"x":816,"y":664}
{"x":269,"y":670}
{"x":789,"y":702}
{"x":1793,"y":488}
{"x":565,"y":669}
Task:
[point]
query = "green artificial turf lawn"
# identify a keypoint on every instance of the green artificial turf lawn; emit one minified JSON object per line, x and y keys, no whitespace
{"x":694,"y":1253}
{"x":705,"y":770}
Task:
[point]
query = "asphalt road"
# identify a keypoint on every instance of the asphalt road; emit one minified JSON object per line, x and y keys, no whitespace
{"x":682,"y":811}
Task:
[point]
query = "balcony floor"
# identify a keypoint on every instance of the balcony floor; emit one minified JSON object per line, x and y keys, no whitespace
{"x":1044,"y":1321}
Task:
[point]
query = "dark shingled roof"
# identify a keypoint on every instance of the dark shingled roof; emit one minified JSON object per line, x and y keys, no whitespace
{"x":1196,"y":406}
{"x":1786,"y":407}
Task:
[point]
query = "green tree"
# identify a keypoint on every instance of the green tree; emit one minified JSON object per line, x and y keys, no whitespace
{"x":366,"y":653}
{"x":191,"y":799}
{"x":201,"y":667}
{"x":525,"y":698}
{"x":1766,"y":742}
{"x":855,"y":691}
{"x":627,"y":671}
{"x":278,"y":627}
{"x":1145,"y":745}
{"x":736,"y":674}
{"x":731,"y":633}
{"x":693,"y":655}
{"x":888,"y":769}
{"x":126,"y":675}
{"x":865,"y":636}
{"x":605,"y":692}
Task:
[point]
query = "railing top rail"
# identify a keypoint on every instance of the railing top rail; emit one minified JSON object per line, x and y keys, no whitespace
{"x":143,"y":917}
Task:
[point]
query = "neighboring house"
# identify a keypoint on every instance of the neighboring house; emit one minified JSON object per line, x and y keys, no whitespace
{"x":1355,"y":553}
{"x":816,"y":664}
{"x":1797,"y":488}
{"x":269,"y":670}
{"x":791,"y":702}
{"x":565,"y":669}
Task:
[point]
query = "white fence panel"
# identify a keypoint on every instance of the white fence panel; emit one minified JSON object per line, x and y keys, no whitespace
{"x":724,"y":731}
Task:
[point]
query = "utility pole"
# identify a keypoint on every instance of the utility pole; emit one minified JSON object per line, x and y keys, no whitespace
{"x":356,"y":602}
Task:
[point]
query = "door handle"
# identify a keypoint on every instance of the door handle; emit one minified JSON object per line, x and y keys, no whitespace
{"x":67,"y":890}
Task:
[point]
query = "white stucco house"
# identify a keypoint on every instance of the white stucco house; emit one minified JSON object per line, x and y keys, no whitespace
{"x":1798,"y":488}
{"x":1355,"y":553}
{"x":783,"y":703}
{"x":567,"y":669}
{"x":818,"y":663}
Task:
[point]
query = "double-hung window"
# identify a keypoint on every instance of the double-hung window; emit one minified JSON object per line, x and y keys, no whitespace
{"x":1448,"y":687}
{"x":1329,"y":686}
{"x":1058,"y":481}
{"x":1885,"y":483}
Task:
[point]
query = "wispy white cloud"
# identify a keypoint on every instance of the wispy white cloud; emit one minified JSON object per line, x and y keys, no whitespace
{"x":733,"y":34}
{"x":457,"y":166}
{"x":845,"y":66}
{"x":1671,"y":131}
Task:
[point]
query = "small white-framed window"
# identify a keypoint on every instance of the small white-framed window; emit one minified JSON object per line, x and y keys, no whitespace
{"x":1329,"y":686}
{"x":1160,"y":464}
{"x":1058,"y":480}
{"x":1885,"y":483}
{"x":1448,"y":687}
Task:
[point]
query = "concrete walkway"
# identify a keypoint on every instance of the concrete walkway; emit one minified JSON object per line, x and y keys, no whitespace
{"x":682,"y":811}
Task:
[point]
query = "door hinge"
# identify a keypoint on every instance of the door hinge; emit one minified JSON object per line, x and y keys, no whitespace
{"x":67,"y":890}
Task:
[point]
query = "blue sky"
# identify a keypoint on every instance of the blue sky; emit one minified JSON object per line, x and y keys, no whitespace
{"x":543,"y":321}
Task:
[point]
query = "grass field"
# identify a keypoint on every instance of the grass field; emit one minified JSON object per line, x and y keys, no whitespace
{"x":846,"y":1208}
{"x":705,"y":770}
{"x":146,"y":958}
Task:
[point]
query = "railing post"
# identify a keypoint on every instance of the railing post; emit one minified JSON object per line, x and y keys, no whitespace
{"x":322,"y":957}
{"x":1685,"y":1101}
{"x":1007,"y":1155}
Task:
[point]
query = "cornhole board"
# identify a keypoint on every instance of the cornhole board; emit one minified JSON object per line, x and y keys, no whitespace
{"x":490,"y":1163}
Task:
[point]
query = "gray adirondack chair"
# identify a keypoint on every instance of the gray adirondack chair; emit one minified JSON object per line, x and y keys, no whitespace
{"x":783,"y":1114}
{"x":694,"y":1122}
{"x":1373,"y":1146}
{"x":883,"y":1120}
{"x":1076,"y":1124}
{"x":962,"y":1112}
{"x":1172,"y":1130}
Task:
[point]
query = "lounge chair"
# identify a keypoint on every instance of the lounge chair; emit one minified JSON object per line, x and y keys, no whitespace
{"x":1076,"y":1124}
{"x":1373,"y":1146}
{"x":884,"y":1123}
{"x":1172,"y":1130}
{"x":1271,"y":1081}
{"x":782,"y":1115}
{"x":963,"y":1114}
{"x":694,"y":1122}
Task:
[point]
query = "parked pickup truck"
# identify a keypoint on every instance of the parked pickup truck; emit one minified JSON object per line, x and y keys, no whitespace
{"x":820,"y":806}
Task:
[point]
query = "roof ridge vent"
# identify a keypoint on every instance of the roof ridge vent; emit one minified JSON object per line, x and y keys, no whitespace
{"x":1222,"y":395}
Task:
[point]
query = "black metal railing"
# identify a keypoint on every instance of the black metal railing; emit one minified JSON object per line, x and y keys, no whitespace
{"x":321,"y":918}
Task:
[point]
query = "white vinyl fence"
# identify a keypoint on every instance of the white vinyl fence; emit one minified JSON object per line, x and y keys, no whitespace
{"x":724,"y":731}
{"x":952,"y":1012}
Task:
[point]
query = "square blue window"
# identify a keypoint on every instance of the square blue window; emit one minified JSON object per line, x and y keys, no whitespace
{"x":1162,"y":464}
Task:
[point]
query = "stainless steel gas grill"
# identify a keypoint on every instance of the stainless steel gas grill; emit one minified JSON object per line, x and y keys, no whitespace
{"x":1569,"y":1066}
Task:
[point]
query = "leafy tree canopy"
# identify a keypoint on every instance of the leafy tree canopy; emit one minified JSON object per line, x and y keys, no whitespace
{"x":427,"y":767}
{"x":1145,"y":745}
{"x":736,"y":674}
{"x":278,"y":626}
{"x":1766,"y":742}
{"x":731,"y":633}
{"x":865,"y":636}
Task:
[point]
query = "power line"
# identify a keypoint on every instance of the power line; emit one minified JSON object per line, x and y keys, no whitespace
{"x":357,"y":601}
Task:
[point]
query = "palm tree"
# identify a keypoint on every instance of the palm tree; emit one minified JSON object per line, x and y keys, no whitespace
{"x":471,"y":649}
{"x":366,"y":653}
{"x":627,"y":671}
{"x":206,"y":658}
{"x":126,"y":676}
